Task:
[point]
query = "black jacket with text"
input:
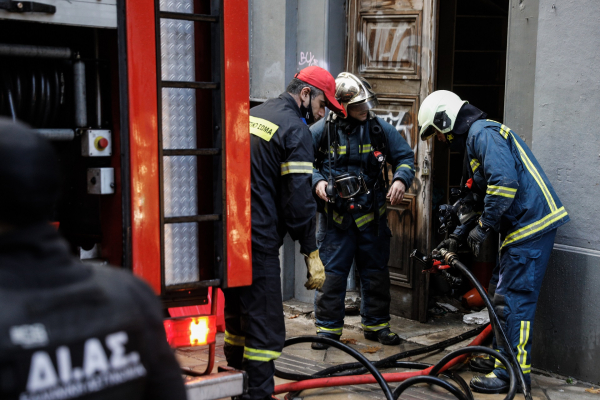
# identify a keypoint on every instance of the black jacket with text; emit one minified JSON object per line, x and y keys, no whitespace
{"x":282,"y":166}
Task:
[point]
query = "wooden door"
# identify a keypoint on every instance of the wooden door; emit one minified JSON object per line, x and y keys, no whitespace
{"x":391,"y":44}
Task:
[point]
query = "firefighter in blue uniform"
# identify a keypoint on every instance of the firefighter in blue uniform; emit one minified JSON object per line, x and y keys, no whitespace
{"x":519,"y":203}
{"x":352,"y":156}
{"x":68,"y":330}
{"x":282,"y":159}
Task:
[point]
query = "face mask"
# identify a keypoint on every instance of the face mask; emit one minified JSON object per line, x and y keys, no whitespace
{"x":307,"y":112}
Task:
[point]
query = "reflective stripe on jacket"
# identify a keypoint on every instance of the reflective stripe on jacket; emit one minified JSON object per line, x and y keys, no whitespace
{"x":520,"y":202}
{"x":350,"y":152}
{"x":282,"y":159}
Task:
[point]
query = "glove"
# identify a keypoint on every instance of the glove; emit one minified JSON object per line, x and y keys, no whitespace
{"x":477,"y":236}
{"x":316,"y":271}
{"x":451,"y":244}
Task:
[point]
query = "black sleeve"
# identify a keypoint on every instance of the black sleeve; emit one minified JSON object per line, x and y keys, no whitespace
{"x":164,"y":380}
{"x":297,"y":202}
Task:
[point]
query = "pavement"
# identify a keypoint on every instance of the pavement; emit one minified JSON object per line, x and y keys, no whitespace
{"x":301,"y":358}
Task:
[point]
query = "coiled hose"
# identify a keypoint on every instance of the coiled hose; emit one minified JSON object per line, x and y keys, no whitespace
{"x":429,"y":375}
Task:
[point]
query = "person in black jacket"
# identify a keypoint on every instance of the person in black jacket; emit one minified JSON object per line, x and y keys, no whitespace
{"x":282,"y":202}
{"x":68,"y":330}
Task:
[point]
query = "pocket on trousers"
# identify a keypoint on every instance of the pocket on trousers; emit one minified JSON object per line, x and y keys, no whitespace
{"x":519,"y":271}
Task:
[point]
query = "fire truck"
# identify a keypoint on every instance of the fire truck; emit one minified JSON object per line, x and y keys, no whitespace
{"x":146,"y":103}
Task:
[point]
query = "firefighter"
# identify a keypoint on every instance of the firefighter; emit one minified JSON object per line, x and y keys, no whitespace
{"x":519,"y":203}
{"x":282,"y":159}
{"x":352,"y":157}
{"x":68,"y":330}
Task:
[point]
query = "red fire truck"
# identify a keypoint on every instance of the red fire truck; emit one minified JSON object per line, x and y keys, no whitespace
{"x":146,"y":103}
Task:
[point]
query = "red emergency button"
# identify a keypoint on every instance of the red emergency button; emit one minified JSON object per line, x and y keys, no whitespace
{"x":101,"y":143}
{"x":352,"y":206}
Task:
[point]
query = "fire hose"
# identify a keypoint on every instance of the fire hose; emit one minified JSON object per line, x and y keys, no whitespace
{"x":429,"y":375}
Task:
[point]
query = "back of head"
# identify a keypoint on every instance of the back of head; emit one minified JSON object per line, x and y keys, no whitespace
{"x":29,"y":175}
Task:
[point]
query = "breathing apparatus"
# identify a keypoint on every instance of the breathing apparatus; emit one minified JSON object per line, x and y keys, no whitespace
{"x":354,"y":94}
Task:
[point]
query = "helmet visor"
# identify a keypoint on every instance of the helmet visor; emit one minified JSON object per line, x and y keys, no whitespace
{"x":364,"y":106}
{"x":428,"y":132}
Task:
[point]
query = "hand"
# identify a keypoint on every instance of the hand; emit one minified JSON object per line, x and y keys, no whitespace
{"x":451,"y":244}
{"x":320,"y":190}
{"x":476,"y":237}
{"x":316,"y":271}
{"x":396,"y":192}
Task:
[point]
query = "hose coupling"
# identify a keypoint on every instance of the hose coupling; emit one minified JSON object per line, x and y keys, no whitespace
{"x":449,"y":256}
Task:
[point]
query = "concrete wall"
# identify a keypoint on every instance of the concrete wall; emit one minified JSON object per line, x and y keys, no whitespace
{"x":520,"y":67}
{"x":285,"y":37}
{"x":565,"y":140}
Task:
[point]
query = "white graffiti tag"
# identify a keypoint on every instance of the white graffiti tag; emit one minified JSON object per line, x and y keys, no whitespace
{"x":307,"y":58}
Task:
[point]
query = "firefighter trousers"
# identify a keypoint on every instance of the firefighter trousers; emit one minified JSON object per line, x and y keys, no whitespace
{"x":338,"y":248}
{"x":514,"y":289}
{"x":255,"y":328}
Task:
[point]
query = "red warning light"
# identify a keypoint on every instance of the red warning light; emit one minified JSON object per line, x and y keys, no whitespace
{"x":191,"y":331}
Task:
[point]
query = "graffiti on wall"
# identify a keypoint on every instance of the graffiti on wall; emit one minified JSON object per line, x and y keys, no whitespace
{"x":307,"y":59}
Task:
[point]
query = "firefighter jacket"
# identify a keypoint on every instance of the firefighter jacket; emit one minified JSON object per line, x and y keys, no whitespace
{"x":282,"y":159}
{"x":75,"y":331}
{"x":519,"y":201}
{"x":355,"y":154}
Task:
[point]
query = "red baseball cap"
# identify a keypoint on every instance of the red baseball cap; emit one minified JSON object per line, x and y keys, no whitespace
{"x":321,"y":79}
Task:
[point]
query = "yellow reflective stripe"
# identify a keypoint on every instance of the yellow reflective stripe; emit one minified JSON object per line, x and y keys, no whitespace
{"x":366,"y":148}
{"x":296,"y":167}
{"x":501,"y":191}
{"x":524,"y":337}
{"x":526,"y":369}
{"x":334,"y":331}
{"x":474,"y":164}
{"x":262,"y":128}
{"x":341,"y":150}
{"x":369,"y":217}
{"x":535,"y":227}
{"x":504,"y":131}
{"x":234,"y":340}
{"x":260,"y":355}
{"x":533,"y":171}
{"x":403,"y":166}
{"x":336,"y":217}
{"x":375,"y":328}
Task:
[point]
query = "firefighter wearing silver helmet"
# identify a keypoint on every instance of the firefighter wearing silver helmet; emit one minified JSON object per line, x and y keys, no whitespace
{"x":519,"y":203}
{"x":352,"y":158}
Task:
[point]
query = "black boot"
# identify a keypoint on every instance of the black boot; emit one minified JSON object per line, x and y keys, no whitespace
{"x":383,"y":336}
{"x":491,"y":384}
{"x":323,"y":346}
{"x":484,"y":365}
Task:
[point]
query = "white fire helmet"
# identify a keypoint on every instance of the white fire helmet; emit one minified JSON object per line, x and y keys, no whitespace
{"x":438,"y":113}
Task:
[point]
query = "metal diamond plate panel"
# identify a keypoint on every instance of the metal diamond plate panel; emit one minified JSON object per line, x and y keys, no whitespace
{"x":179,"y":186}
{"x":181,"y":253}
{"x":179,"y":118}
{"x":182,"y":6}
{"x":177,"y":50}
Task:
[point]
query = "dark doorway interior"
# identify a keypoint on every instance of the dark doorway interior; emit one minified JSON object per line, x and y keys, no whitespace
{"x":471,"y":62}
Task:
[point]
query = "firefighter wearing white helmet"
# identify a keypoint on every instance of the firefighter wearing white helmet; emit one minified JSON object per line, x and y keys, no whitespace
{"x":519,"y":203}
{"x":350,"y":182}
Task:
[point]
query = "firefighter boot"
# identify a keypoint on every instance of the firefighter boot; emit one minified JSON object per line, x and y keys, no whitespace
{"x":491,"y":384}
{"x":383,"y":336}
{"x":323,"y":346}
{"x":484,"y":364}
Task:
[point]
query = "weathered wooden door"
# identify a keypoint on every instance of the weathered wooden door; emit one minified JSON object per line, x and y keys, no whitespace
{"x":391,"y":44}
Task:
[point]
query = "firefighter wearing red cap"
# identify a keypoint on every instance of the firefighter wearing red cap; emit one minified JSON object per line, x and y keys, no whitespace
{"x":282,"y":166}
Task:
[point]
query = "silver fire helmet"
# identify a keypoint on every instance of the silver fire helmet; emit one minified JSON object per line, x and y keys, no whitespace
{"x":354,"y":93}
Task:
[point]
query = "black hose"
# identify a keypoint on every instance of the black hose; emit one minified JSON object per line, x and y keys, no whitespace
{"x":493,"y":317}
{"x":389,"y":362}
{"x":432,"y":380}
{"x":512,"y":388}
{"x":349,"y":350}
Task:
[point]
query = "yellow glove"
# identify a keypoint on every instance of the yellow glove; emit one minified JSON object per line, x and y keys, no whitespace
{"x":316,"y":271}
